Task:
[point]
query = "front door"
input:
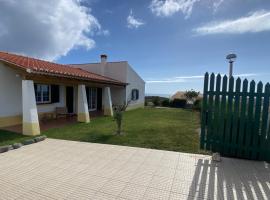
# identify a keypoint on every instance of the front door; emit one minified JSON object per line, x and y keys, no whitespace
{"x":69,"y":99}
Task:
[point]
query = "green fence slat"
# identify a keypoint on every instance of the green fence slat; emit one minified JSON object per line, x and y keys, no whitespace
{"x":242,"y":123}
{"x":235,"y":116}
{"x":216,"y":115}
{"x":257,"y":122}
{"x":250,"y":118}
{"x":267,"y":139}
{"x":223,"y":113}
{"x":210,"y":113}
{"x":265,"y":114}
{"x":228,"y":115}
{"x":267,"y":146}
{"x":203,"y":111}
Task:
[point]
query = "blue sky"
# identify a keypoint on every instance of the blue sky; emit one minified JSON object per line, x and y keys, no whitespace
{"x":171,"y":44}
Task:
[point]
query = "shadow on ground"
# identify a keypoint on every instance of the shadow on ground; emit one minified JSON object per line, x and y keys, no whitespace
{"x":230,"y":179}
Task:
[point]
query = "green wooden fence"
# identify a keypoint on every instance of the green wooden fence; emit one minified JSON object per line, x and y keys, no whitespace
{"x":235,"y":118}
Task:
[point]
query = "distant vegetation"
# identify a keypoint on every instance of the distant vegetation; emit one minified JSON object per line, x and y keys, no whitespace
{"x":190,"y":100}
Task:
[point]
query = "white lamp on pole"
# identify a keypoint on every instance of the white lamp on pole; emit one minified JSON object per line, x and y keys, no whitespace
{"x":231,"y":57}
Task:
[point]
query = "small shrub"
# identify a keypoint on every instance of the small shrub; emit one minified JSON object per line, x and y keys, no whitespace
{"x":165,"y":103}
{"x":145,"y":103}
{"x":156,"y":101}
{"x":197,"y":105}
{"x":118,"y":116}
{"x":179,"y":103}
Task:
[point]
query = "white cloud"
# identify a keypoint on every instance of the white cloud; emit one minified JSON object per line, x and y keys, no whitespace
{"x":184,"y":79}
{"x":166,"y":8}
{"x":255,"y":22}
{"x":217,"y":4}
{"x":46,"y":29}
{"x":132,"y":22}
{"x":170,"y":7}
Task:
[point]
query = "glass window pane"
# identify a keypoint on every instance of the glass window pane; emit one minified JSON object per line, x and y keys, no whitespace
{"x":38,"y":93}
{"x":45,"y":93}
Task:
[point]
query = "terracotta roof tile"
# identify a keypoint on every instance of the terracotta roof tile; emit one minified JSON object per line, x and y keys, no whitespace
{"x":53,"y":69}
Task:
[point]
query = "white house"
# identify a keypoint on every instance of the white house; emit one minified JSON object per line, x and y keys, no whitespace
{"x":31,"y":89}
{"x":134,"y":92}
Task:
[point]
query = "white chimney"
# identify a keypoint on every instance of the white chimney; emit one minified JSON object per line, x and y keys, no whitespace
{"x":103,"y":58}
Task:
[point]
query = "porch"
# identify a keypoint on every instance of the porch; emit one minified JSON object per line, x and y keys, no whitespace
{"x":52,"y":123}
{"x":33,"y":88}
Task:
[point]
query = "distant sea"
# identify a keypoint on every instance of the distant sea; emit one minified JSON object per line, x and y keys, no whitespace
{"x":160,"y":95}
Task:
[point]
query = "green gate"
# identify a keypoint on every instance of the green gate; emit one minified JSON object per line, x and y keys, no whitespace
{"x":235,"y":118}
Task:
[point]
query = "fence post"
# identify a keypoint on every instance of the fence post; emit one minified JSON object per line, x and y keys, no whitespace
{"x":216,"y":139}
{"x":235,"y":121}
{"x":265,"y":114}
{"x":203,"y":111}
{"x":248,"y":144}
{"x":209,"y":134}
{"x":242,"y":119}
{"x":228,"y":132}
{"x":223,"y":113}
{"x":256,"y":132}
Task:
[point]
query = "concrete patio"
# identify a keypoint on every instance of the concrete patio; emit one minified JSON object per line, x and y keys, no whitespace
{"x":58,"y":169}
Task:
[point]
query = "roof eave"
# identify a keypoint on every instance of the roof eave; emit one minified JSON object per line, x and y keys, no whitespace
{"x":30,"y":71}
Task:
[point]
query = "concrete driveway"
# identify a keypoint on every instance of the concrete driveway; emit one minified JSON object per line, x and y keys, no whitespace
{"x":58,"y":169}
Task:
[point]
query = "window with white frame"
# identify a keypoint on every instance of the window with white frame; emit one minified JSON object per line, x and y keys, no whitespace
{"x":43,"y":93}
{"x":134,"y":94}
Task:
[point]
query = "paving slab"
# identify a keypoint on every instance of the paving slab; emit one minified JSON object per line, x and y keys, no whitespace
{"x":59,"y":169}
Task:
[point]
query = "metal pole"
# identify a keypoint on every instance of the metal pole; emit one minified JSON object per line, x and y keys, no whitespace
{"x":231,"y":69}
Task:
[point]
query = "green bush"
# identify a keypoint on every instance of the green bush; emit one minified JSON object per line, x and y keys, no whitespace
{"x":165,"y":103}
{"x":156,"y":101}
{"x":191,"y":95}
{"x":145,"y":103}
{"x":178,"y":103}
{"x":197,"y":105}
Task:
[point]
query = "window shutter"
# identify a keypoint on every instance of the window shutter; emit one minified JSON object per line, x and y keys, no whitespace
{"x":55,"y":93}
{"x":35,"y":88}
{"x":137,"y":94}
{"x":133,"y":95}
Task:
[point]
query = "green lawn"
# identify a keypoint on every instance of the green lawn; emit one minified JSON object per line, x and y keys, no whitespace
{"x":7,"y":137}
{"x":157,"y":128}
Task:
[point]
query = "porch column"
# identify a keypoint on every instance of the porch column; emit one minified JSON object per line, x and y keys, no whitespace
{"x":83,"y":113}
{"x":29,"y":108}
{"x":107,"y":102}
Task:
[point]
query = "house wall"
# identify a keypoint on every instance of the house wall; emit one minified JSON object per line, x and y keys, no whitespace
{"x":94,"y":68}
{"x":135,"y":82}
{"x":123,"y":72}
{"x":116,"y":70}
{"x":118,"y":95}
{"x":10,"y":97}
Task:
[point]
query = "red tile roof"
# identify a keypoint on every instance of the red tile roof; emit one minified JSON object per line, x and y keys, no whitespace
{"x":37,"y":66}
